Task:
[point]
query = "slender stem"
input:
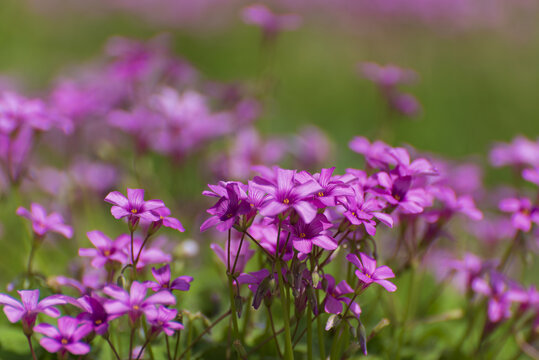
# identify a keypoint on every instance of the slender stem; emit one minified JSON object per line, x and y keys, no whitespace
{"x":228,"y":251}
{"x":168,"y":346}
{"x":237,"y":254}
{"x":326,"y":260}
{"x":509,"y":250}
{"x":177,"y":343}
{"x":309,"y":332}
{"x":289,"y":352}
{"x":112,"y":347}
{"x":132,"y":248}
{"x":235,"y":328}
{"x":140,"y":251}
{"x":321,"y":344}
{"x":260,"y":246}
{"x":274,"y":333}
{"x":142,"y":348}
{"x":29,"y":337}
{"x":35,"y":244}
{"x":131,"y":342}
{"x":189,"y":337}
{"x":207,"y":330}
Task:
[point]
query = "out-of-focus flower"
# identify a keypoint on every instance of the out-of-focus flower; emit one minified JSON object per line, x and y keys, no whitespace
{"x":43,"y":223}
{"x":521,"y":152}
{"x":243,"y":255}
{"x":523,"y":213}
{"x":228,"y":208}
{"x":270,"y":23}
{"x":335,"y":296}
{"x":94,"y":313}
{"x":304,"y":235}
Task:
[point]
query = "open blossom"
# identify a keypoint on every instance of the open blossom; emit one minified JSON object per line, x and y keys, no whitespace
{"x":29,"y":308}
{"x":66,"y":338}
{"x":377,"y":154}
{"x":133,"y":206}
{"x":523,"y":212}
{"x":332,"y":187}
{"x":228,"y":208}
{"x":397,"y":191}
{"x":286,"y":193}
{"x":166,"y":220}
{"x":362,"y":211}
{"x":134,"y":303}
{"x":162,"y":277}
{"x":43,"y":223}
{"x":161,"y":320}
{"x":106,"y":250}
{"x":304,"y":235}
{"x":368,"y":273}
{"x":93,"y":313}
{"x":335,"y":296}
{"x":520,"y":152}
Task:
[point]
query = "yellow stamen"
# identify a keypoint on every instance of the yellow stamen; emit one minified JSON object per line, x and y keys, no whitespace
{"x":302,"y":235}
{"x":286,"y":201}
{"x":98,"y":322}
{"x":64,"y":341}
{"x":106,"y":252}
{"x":320,"y":194}
{"x":134,"y":211}
{"x":136,"y":307}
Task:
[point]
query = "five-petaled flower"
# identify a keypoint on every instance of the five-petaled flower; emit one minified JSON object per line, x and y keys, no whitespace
{"x":368,"y":273}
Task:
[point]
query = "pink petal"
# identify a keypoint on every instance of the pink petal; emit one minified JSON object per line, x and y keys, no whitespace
{"x":117,"y":198}
{"x":51,"y":345}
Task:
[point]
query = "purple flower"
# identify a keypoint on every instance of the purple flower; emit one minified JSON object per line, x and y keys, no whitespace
{"x":397,"y":192}
{"x":66,"y":338}
{"x":43,"y":223}
{"x":133,"y":205}
{"x":360,"y":211}
{"x":519,"y":153}
{"x":331,"y":187}
{"x":134,"y":303}
{"x":166,"y":220}
{"x":500,"y":297}
{"x":377,"y":154}
{"x":260,"y":15}
{"x":106,"y":250}
{"x":162,"y":276}
{"x":368,"y":273}
{"x":29,"y":308}
{"x":335,"y":297}
{"x":387,"y":76}
{"x":228,"y":208}
{"x":161,"y":320}
{"x":523,"y":212}
{"x":285,"y":193}
{"x":304,"y":235}
{"x":451,"y":204}
{"x":94,"y":313}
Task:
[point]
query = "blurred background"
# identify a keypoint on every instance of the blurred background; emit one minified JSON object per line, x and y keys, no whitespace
{"x":476,"y":60}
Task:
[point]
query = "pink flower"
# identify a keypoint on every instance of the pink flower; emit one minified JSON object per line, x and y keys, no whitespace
{"x":368,"y":273}
{"x":43,"y":223}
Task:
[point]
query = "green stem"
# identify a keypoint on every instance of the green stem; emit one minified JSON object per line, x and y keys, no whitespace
{"x":189,"y":337}
{"x":35,"y":243}
{"x":309,"y":332}
{"x":191,"y":344}
{"x":112,"y":347}
{"x":288,"y":354}
{"x":233,"y":310}
{"x":274,"y":333}
{"x":321,"y":344}
{"x":131,"y":342}
{"x":31,"y":347}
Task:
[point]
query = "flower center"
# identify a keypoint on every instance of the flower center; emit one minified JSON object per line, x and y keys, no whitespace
{"x":302,"y":235}
{"x":397,"y":197}
{"x":98,"y":322}
{"x":286,"y":201}
{"x":320,"y":194}
{"x":106,"y":252}
{"x":526,"y":212}
{"x":161,"y":217}
{"x":64,"y":341}
{"x":134,"y":211}
{"x":136,"y":307}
